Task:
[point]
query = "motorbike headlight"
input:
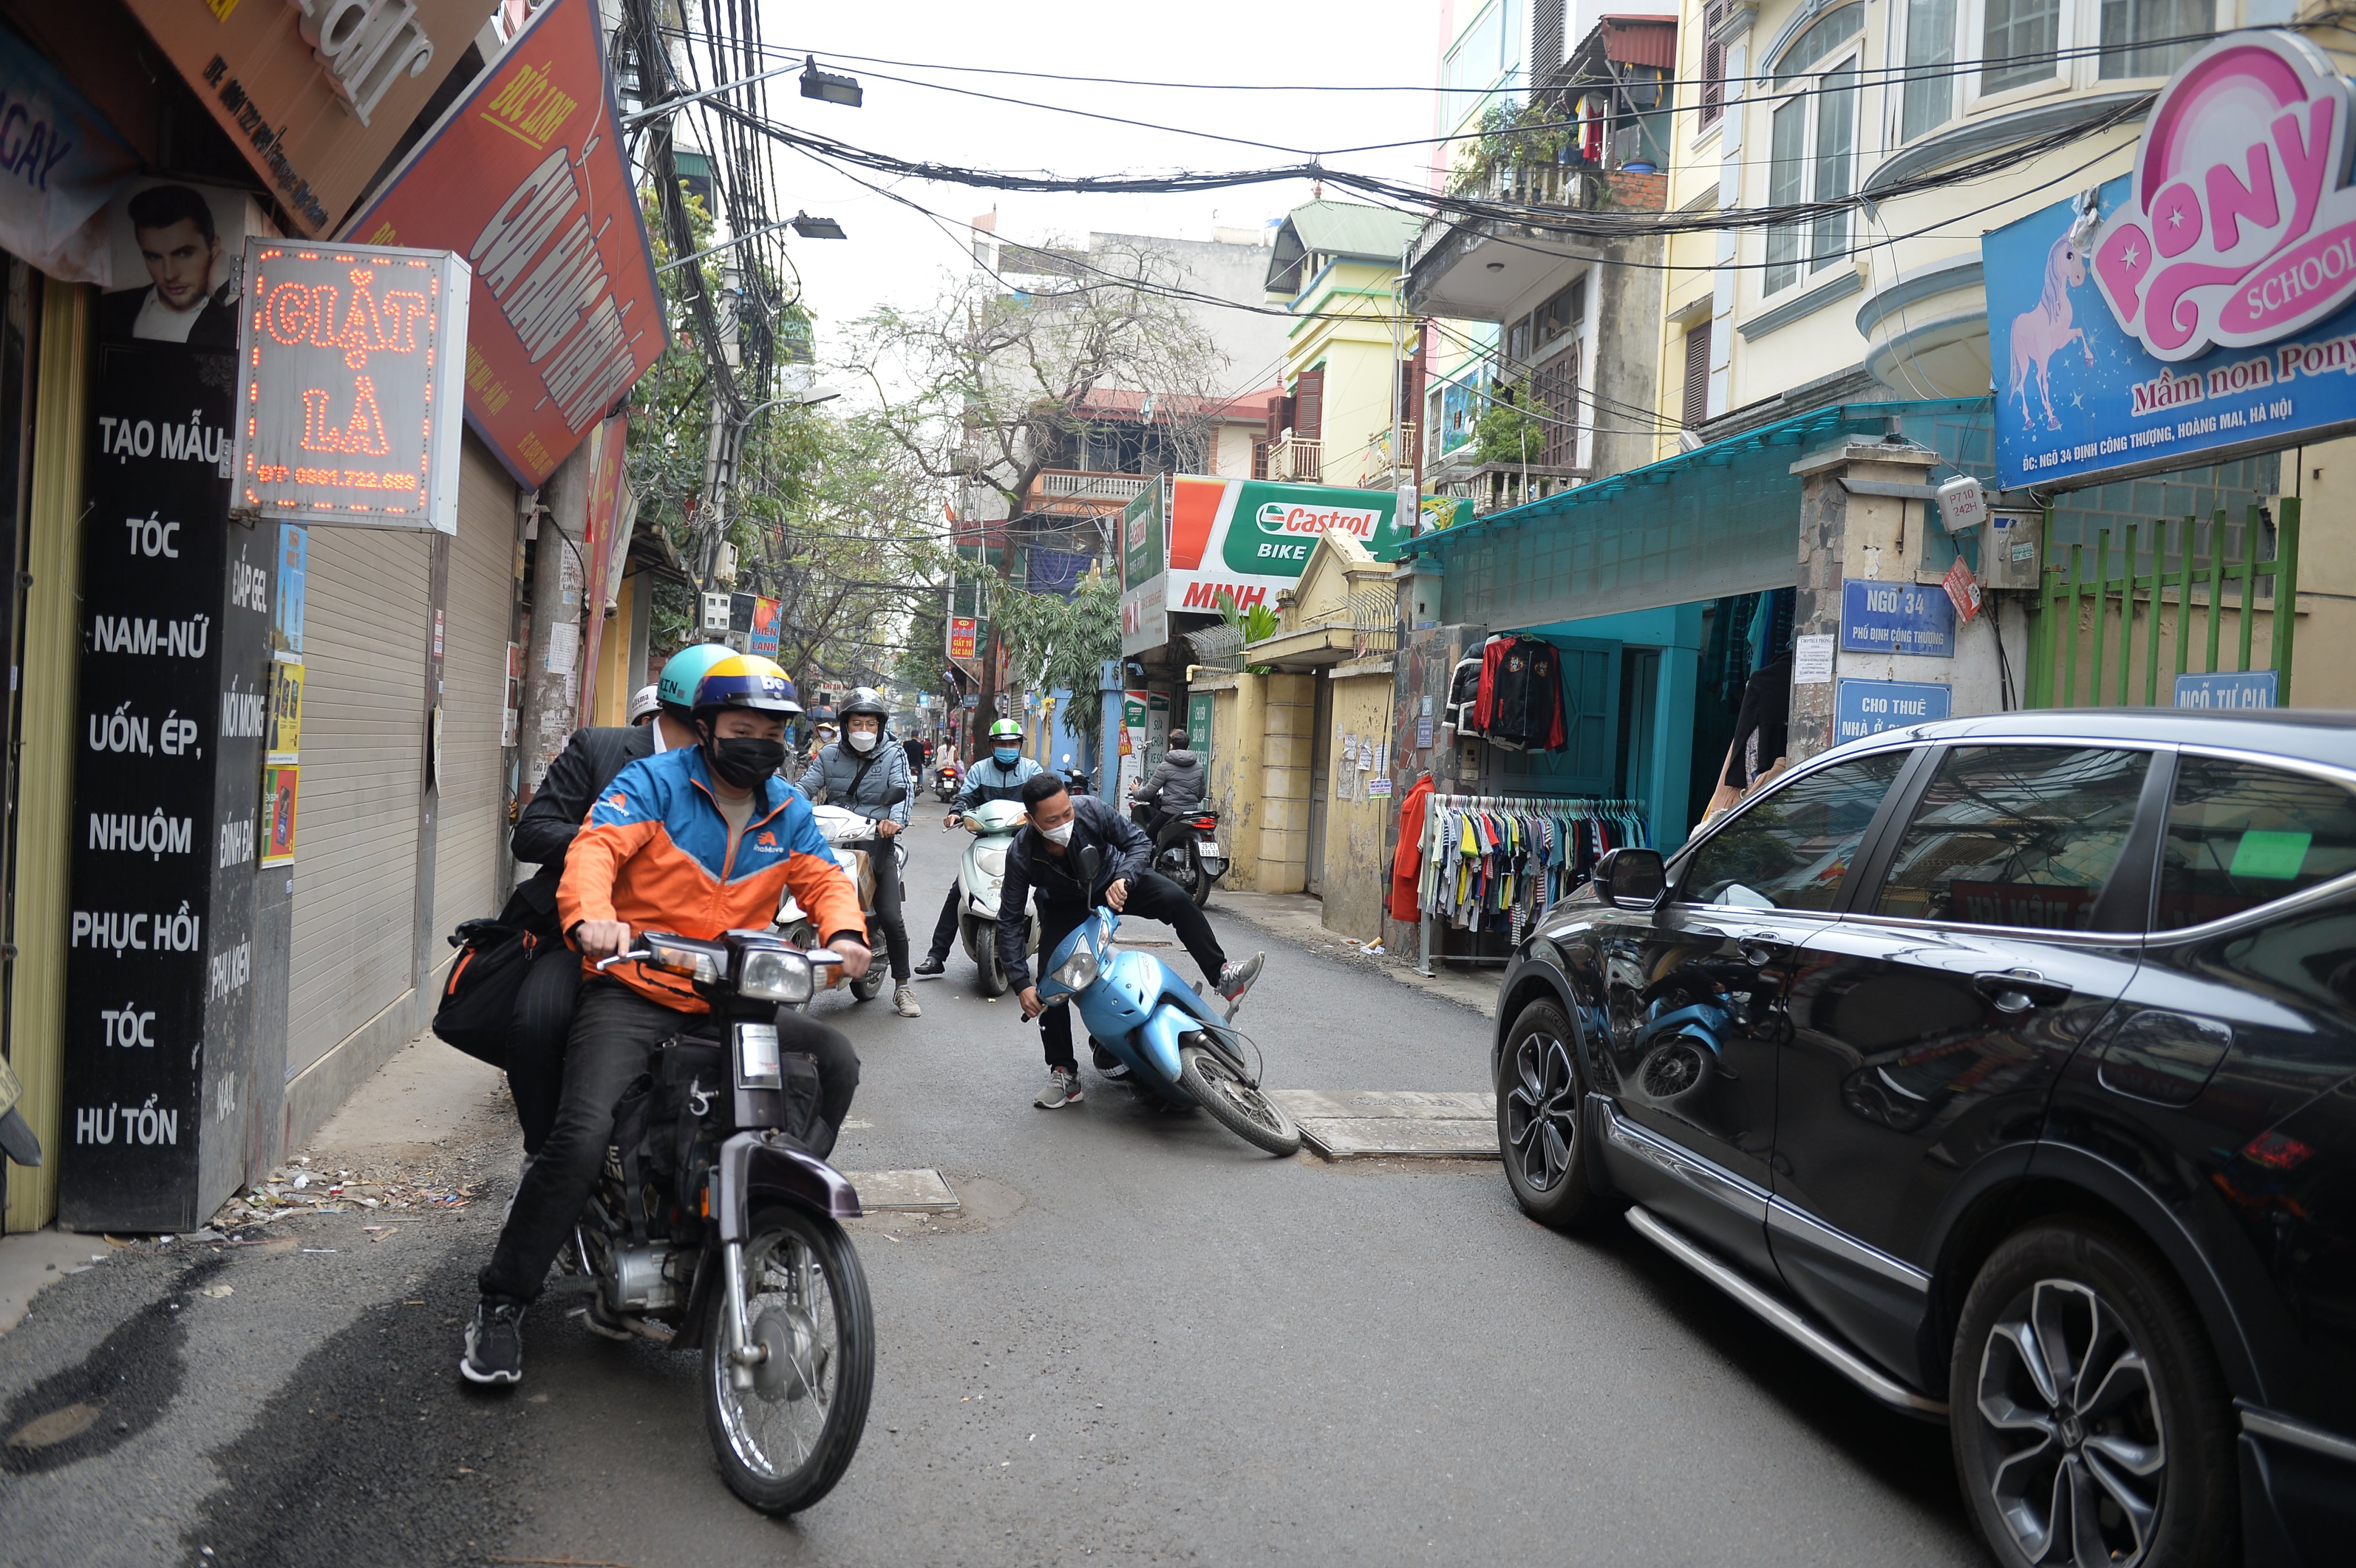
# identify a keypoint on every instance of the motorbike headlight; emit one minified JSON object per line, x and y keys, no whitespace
{"x":698,"y":963}
{"x":1079,"y":971}
{"x":756,"y":1053}
{"x":775,"y":974}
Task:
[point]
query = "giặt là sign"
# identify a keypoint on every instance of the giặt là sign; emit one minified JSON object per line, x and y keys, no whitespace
{"x":2200,"y":307}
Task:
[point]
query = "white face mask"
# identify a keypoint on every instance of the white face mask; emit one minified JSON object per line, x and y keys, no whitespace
{"x":862,"y":741}
{"x":1061,"y":833}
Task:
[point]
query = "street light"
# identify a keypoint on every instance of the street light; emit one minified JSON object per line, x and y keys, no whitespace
{"x":810,"y":227}
{"x":827,"y":86}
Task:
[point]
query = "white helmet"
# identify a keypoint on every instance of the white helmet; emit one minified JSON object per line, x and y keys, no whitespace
{"x":644,"y":705}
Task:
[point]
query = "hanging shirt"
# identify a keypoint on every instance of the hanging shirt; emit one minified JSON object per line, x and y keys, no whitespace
{"x":1406,"y":861}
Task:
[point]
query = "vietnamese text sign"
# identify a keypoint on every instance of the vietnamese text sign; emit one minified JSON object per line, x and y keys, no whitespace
{"x":347,"y":381}
{"x":2231,"y":689}
{"x":316,"y":94}
{"x":64,"y":161}
{"x":1144,"y":609}
{"x":1249,"y":539}
{"x":2210,"y":309}
{"x":962,"y":637}
{"x":1897,"y":617}
{"x":1861,"y":708}
{"x":524,"y":177}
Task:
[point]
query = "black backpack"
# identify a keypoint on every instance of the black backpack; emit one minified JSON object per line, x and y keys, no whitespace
{"x":477,"y":1013}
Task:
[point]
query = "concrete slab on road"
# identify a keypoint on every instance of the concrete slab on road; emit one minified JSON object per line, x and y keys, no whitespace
{"x":1386,"y":1123}
{"x":904,"y":1192}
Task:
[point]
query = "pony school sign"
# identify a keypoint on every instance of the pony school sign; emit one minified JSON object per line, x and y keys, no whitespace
{"x":2202,"y":307}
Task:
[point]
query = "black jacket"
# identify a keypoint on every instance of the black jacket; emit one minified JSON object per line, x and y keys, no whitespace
{"x":1031,"y":868}
{"x":581,"y":771}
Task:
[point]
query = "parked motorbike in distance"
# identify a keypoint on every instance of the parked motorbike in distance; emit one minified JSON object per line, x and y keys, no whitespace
{"x":981,"y":873}
{"x":1174,"y":1043}
{"x":712,"y":1228}
{"x":946,"y":780}
{"x":841,"y":827}
{"x":1076,"y":780}
{"x":1187,"y":848}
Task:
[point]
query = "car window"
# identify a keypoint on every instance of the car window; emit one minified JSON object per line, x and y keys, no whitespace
{"x":2015,"y":835}
{"x":1790,"y":848}
{"x":2241,"y":834}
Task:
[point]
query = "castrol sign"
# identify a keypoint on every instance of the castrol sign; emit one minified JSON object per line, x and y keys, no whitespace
{"x":2239,"y":227}
{"x":1249,"y":539}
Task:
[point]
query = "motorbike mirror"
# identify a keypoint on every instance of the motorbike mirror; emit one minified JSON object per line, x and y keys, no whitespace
{"x":1091,"y":862}
{"x":894,"y":795}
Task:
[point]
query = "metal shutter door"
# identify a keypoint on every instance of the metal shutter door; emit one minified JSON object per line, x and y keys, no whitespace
{"x":474,"y":693}
{"x":364,"y":634}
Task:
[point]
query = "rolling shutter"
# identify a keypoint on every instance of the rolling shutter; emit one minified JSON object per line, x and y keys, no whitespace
{"x":468,"y":840}
{"x":364,"y":635}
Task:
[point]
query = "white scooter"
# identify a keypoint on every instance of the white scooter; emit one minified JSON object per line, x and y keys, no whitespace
{"x":981,"y":873}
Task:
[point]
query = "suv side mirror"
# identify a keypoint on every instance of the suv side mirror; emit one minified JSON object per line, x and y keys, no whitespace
{"x":1632,"y":878}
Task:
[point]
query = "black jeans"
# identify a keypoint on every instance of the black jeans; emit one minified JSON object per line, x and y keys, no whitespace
{"x":543,"y":1021}
{"x":945,"y":929}
{"x":1151,"y":896}
{"x":615,"y":1030}
{"x":886,"y":865}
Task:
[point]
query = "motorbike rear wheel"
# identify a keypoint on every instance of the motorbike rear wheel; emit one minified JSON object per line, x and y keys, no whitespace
{"x":1234,"y":1104}
{"x":785,"y":1442}
{"x":868,"y":986}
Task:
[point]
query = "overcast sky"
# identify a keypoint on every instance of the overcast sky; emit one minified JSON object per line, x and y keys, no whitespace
{"x":896,"y":255}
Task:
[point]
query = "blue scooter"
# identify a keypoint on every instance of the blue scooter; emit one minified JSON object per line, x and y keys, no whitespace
{"x":1173,"y":1042}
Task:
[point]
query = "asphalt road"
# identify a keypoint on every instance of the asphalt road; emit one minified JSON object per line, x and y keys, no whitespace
{"x":1143,"y":1341}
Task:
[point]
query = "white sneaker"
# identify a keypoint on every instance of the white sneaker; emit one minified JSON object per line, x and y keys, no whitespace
{"x":904,"y":1002}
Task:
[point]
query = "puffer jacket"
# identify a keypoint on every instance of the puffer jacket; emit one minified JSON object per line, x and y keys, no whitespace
{"x":834,"y":768}
{"x":1178,"y":784}
{"x":654,"y":852}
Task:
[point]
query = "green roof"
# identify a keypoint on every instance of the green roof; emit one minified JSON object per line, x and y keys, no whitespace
{"x":1346,"y":229}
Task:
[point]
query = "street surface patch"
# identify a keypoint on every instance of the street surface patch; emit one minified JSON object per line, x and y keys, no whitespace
{"x":904,"y":1192}
{"x":1352,"y":1124}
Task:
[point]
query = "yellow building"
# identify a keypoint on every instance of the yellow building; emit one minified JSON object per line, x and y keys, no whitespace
{"x":1336,"y":265}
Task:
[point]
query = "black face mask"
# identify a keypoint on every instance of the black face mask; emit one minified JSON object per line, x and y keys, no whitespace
{"x":743,"y":761}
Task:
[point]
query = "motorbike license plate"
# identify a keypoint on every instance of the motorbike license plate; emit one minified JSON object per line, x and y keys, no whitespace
{"x":1213,"y":852}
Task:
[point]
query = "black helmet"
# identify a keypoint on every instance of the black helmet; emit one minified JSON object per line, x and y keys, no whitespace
{"x":821,"y":714}
{"x":866,"y":700}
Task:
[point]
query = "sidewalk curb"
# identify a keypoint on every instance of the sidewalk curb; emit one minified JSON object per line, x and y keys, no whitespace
{"x":1299,"y":920}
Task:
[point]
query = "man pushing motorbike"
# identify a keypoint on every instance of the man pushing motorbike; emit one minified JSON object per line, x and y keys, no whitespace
{"x":697,"y":841}
{"x":1045,"y":859}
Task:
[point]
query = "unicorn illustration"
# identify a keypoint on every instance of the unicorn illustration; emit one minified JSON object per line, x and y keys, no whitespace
{"x":2041,"y":333}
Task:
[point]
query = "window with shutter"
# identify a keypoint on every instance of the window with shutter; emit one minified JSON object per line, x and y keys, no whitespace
{"x":1309,"y":405}
{"x":1713,"y":64}
{"x":1555,"y":390}
{"x":1696,"y":376}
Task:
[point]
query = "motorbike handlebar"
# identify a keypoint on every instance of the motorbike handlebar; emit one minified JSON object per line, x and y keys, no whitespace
{"x":606,"y":963}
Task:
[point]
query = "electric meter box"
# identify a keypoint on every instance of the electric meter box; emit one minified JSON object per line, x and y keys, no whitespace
{"x":2011,"y":553}
{"x":715,"y":613}
{"x":1962,"y":504}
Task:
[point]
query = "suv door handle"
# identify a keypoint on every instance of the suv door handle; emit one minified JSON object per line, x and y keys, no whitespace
{"x":2016,"y":991}
{"x":1759,"y":947}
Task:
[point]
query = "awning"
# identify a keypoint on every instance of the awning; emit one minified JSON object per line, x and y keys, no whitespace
{"x":1721,"y":519}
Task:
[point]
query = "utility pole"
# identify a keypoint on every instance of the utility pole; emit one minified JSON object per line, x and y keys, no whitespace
{"x":553,"y":658}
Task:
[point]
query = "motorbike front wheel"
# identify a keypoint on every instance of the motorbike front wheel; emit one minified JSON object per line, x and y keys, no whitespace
{"x":985,"y":958}
{"x":1234,"y":1104}
{"x":784,"y":1442}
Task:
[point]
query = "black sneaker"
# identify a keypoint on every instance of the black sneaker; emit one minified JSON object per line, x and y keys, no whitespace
{"x":494,"y":1345}
{"x":931,"y":968}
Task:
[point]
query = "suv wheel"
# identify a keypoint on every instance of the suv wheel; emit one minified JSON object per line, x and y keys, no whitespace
{"x":2088,"y":1416}
{"x":1538,"y":1122}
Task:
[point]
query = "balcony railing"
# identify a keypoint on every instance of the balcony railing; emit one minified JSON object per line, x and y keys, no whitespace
{"x":1086,"y":494}
{"x":1500,"y":487}
{"x":1575,"y":187}
{"x":1381,"y":472}
{"x":1297,"y":462}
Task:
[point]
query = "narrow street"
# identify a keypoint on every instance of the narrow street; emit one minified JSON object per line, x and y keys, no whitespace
{"x":1138,"y":1340}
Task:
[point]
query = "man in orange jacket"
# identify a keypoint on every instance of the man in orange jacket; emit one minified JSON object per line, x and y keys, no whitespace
{"x":697,"y":841}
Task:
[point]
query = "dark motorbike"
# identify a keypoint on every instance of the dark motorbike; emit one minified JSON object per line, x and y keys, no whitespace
{"x":1187,"y":847}
{"x":713,"y":1229}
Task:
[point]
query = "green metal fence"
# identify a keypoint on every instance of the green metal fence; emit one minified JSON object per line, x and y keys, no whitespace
{"x":2105,"y":619}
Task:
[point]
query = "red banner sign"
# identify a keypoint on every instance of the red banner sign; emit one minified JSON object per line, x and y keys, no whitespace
{"x":962,"y":637}
{"x":524,"y":178}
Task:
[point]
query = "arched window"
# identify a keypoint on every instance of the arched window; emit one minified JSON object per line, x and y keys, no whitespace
{"x":1812,"y":144}
{"x":1818,"y":42}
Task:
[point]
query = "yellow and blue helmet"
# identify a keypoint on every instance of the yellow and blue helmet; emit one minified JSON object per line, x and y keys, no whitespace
{"x":746,"y":681}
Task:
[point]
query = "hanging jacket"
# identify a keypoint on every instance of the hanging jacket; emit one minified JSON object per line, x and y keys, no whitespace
{"x":1406,"y":861}
{"x":1464,"y":695}
{"x":1521,"y":694}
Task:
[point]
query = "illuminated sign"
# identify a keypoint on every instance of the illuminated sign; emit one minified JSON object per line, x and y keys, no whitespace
{"x":347,"y":385}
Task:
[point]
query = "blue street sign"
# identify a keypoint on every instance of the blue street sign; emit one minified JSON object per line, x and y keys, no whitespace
{"x":1897,"y":617}
{"x":1861,"y":708}
{"x":2233,"y":689}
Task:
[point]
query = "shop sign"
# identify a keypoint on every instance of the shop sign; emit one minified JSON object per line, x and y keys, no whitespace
{"x":962,"y":637}
{"x":59,"y":164}
{"x":315,"y":101}
{"x":1249,"y":539}
{"x":348,"y":381}
{"x":1861,"y":708}
{"x":1897,"y":617}
{"x":765,"y":615}
{"x":524,"y":177}
{"x":1144,"y":562}
{"x":2219,"y":319}
{"x":2232,"y":690}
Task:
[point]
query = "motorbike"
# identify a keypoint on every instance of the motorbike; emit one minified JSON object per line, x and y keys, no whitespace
{"x":712,"y":1228}
{"x":945,"y":781}
{"x":1175,"y":1046}
{"x":994,"y":824}
{"x":1076,"y":780}
{"x":841,"y":828}
{"x":1187,"y":848}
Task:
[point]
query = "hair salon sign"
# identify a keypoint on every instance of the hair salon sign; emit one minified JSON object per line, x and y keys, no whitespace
{"x":2236,"y":232}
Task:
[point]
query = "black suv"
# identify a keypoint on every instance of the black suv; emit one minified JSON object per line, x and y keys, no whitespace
{"x":2009,"y":1065}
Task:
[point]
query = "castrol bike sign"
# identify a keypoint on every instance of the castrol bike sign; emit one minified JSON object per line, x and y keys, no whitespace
{"x":2204,"y":306}
{"x":1249,"y":539}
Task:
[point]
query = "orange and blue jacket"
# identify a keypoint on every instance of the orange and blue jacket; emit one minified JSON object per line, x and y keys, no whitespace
{"x":653,"y":851}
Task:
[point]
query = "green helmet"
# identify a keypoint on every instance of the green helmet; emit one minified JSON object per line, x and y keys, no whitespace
{"x":1006,"y":730}
{"x":685,"y":672}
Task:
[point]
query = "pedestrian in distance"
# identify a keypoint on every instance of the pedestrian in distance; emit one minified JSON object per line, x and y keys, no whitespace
{"x":1045,"y":864}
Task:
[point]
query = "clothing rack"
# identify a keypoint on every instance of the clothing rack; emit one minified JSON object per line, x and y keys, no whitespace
{"x":1528,"y":851}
